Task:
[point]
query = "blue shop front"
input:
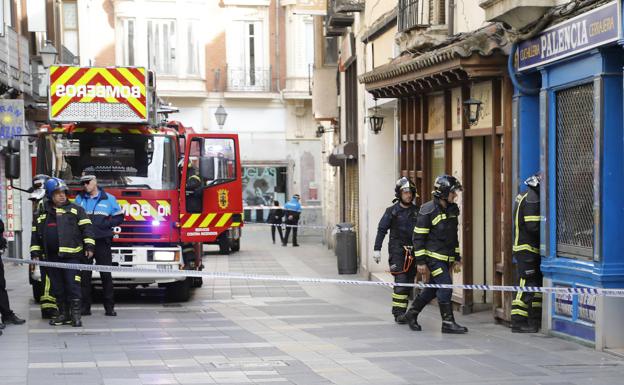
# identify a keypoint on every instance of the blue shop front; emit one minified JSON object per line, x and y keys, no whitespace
{"x":568,"y":120}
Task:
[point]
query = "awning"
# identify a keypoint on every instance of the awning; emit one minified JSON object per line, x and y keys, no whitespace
{"x":343,"y":151}
{"x":478,"y":54}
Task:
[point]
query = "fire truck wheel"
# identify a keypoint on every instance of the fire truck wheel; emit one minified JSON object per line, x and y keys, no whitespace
{"x":179,"y":291}
{"x":196,"y":282}
{"x":224,"y":244}
{"x":235,"y":245}
{"x":37,"y":290}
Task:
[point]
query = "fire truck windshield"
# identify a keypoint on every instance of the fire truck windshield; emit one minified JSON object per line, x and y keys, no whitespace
{"x":140,"y":161}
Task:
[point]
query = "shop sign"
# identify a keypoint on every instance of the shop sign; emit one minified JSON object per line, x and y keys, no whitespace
{"x":11,"y":118}
{"x":581,"y":33}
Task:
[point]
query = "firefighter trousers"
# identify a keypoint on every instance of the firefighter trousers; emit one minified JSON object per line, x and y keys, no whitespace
{"x":439,"y":274}
{"x":103,"y":256}
{"x":403,"y":272}
{"x":66,"y":282}
{"x":527,"y":306}
{"x":47,"y":300}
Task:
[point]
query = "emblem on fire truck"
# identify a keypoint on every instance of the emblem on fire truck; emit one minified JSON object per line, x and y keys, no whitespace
{"x":224,"y":199}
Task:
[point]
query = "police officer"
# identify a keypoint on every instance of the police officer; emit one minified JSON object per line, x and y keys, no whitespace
{"x":62,"y":233}
{"x":47,"y":302}
{"x":105,"y":213}
{"x":292,"y":211}
{"x":400,"y":219}
{"x":276,"y":215}
{"x":8,"y":317}
{"x":436,"y":250}
{"x":526,"y":310}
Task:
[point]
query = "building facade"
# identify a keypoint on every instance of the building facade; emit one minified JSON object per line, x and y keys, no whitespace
{"x":253,"y":57}
{"x":568,"y":111}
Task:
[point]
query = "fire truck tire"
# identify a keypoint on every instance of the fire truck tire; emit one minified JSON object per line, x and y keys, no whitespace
{"x":224,"y":244}
{"x":235,"y":245}
{"x":178,"y":291}
{"x":196,"y":282}
{"x":37,"y":290}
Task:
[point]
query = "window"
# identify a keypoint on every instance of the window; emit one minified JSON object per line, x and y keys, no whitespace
{"x":70,"y":26}
{"x":192,"y":65}
{"x":437,"y":12}
{"x":141,"y":161}
{"x":161,"y":36}
{"x":330,"y":51}
{"x":128,"y":41}
{"x":247,"y":70}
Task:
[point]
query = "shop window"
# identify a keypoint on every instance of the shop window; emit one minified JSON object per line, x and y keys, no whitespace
{"x":575,"y":171}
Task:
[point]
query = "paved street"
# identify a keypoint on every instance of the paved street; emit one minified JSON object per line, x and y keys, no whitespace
{"x":240,"y":332}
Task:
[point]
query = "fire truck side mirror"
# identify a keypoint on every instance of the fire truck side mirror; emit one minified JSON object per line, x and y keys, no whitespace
{"x":207,"y":167}
{"x":12,"y":166}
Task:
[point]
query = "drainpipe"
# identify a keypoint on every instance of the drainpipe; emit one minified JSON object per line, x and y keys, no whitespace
{"x":451,"y":18}
{"x":512,"y":74}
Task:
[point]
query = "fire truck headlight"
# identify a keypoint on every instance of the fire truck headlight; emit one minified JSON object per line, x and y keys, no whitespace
{"x":164,"y":256}
{"x":155,"y":223}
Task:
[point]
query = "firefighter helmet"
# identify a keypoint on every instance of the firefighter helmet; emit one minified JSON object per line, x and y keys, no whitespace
{"x":54,"y":184}
{"x":39,"y":180}
{"x":534,"y":180}
{"x":444,"y":185}
{"x":404,"y":184}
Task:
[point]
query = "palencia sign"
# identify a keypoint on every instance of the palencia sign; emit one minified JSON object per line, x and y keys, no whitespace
{"x":581,"y":33}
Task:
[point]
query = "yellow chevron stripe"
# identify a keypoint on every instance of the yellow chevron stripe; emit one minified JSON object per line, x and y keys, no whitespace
{"x":111,"y":79}
{"x":152,"y":210}
{"x":207,"y":220}
{"x":132,"y":79}
{"x":85,"y":79}
{"x":223,"y":220}
{"x":190,"y":221}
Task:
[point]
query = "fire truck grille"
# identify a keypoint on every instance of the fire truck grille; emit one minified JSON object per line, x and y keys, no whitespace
{"x":140,"y":230}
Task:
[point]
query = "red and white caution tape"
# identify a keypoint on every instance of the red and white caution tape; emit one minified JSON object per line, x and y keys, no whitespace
{"x":618,"y":292}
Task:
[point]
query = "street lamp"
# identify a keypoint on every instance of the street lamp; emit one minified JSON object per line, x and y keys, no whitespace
{"x":221,"y":115}
{"x":472,"y":110}
{"x":48,"y":54}
{"x":375,"y":120}
{"x":320,"y":130}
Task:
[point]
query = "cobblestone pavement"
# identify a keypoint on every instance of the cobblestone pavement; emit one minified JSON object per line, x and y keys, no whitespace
{"x":240,"y":332}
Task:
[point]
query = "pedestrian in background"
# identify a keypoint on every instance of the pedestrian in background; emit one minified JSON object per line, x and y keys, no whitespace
{"x":47,"y":302}
{"x":8,"y":317}
{"x":104,"y":213}
{"x":292,"y":211}
{"x":526,"y":308}
{"x":436,"y":250}
{"x":276,"y":215}
{"x":400,"y":219}
{"x":63,"y":234}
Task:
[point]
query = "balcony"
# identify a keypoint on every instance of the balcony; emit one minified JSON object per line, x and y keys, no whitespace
{"x":249,"y":79}
{"x":348,"y":5}
{"x":516,"y":13}
{"x":421,"y":24}
{"x":337,"y":19}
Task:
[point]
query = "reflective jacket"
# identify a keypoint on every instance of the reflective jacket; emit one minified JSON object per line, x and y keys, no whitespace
{"x":104,"y":212}
{"x":74,"y":232}
{"x":435,"y":235}
{"x":527,"y":222}
{"x":400,"y":221}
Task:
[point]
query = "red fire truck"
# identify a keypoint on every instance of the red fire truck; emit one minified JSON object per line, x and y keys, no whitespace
{"x":106,"y":122}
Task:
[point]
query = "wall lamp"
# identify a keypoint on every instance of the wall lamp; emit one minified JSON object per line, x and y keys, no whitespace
{"x":320,"y":130}
{"x":472,"y":110}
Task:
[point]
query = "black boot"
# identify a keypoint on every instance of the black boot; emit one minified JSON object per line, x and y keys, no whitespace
{"x":49,"y":313}
{"x":85,"y":310}
{"x":412,"y":314}
{"x":448,"y":320}
{"x":524,"y":327}
{"x":109,"y":310}
{"x":76,"y":313}
{"x":400,"y":319}
{"x":63,"y":317}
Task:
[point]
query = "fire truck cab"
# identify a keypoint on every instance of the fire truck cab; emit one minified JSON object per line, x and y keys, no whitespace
{"x":178,"y":189}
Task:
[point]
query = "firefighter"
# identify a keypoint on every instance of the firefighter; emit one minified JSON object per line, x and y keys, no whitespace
{"x":194,"y":189}
{"x":47,"y":301}
{"x":436,"y":251}
{"x":292,"y":211}
{"x":276,"y":215}
{"x":8,"y":317}
{"x":400,"y":219}
{"x":104,"y":213}
{"x":62,"y":233}
{"x":526,"y":310}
